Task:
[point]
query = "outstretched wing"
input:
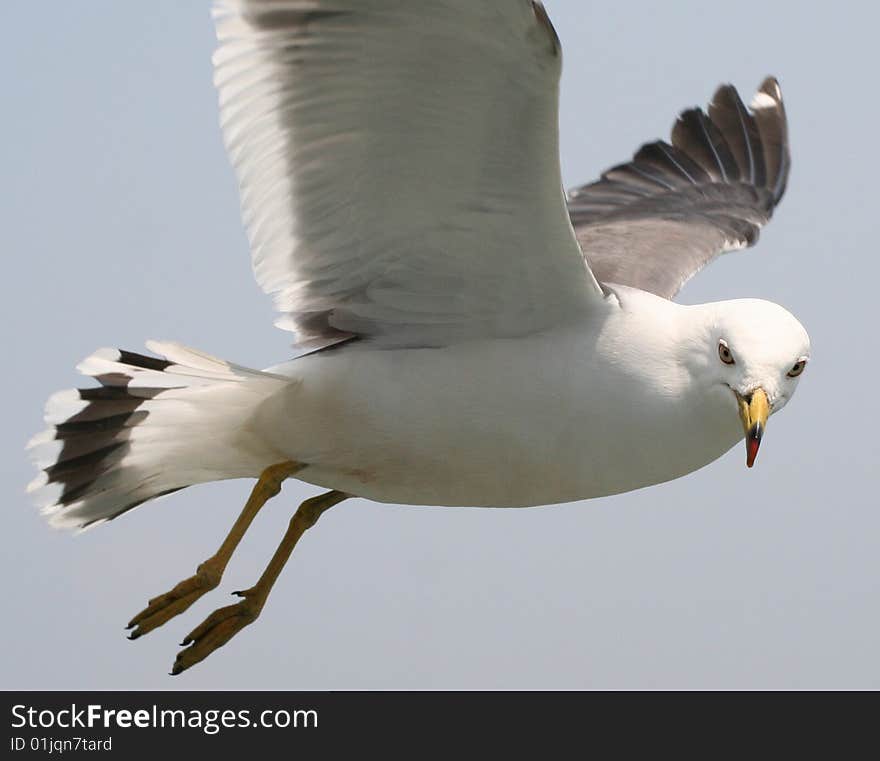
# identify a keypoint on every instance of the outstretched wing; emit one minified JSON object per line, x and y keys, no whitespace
{"x":399,"y":166}
{"x":655,"y":222}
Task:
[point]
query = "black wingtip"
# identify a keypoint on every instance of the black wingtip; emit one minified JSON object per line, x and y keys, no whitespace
{"x":731,"y":116}
{"x":770,"y":86}
{"x":738,"y":143}
{"x":700,"y":138}
{"x":768,"y":109}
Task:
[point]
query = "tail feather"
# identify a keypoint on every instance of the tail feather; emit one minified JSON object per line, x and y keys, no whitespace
{"x":154,"y":425}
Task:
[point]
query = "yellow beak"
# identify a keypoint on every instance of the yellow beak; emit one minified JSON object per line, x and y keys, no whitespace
{"x":754,"y":410}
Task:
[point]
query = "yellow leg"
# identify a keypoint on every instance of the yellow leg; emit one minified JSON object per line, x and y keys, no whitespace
{"x":207,"y":576}
{"x":223,"y":624}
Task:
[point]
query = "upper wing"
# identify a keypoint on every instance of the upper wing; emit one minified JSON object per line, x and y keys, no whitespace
{"x":655,"y":222}
{"x":399,"y":166}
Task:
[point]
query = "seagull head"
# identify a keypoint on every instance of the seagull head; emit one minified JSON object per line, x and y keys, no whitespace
{"x":754,"y":352}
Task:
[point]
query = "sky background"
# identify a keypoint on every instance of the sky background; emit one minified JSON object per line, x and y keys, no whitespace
{"x":120,"y":222}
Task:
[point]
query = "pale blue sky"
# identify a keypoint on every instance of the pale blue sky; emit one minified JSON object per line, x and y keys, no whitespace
{"x":120,"y":223}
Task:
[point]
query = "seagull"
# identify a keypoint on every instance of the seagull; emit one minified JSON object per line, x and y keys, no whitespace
{"x":465,"y":332}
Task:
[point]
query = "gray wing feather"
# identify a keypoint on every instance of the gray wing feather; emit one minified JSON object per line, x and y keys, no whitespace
{"x":656,"y":221}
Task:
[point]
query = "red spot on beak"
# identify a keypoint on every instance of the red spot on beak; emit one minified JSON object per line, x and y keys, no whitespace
{"x":753,"y":441}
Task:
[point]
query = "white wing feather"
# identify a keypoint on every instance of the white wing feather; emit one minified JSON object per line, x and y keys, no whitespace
{"x":399,"y":165}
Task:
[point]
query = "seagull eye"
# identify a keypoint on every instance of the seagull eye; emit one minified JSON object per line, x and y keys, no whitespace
{"x":797,"y":368}
{"x":724,"y":353}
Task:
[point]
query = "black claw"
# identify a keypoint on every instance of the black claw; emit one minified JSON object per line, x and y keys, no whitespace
{"x":134,"y":635}
{"x":130,"y":625}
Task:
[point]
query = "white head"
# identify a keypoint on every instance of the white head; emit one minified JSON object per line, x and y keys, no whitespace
{"x":752,"y":352}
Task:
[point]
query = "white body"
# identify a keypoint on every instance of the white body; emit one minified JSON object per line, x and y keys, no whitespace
{"x":629,"y":393}
{"x":506,"y":423}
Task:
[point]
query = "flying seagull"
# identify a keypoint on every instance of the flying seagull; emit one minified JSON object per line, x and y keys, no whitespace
{"x":465,"y":333}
